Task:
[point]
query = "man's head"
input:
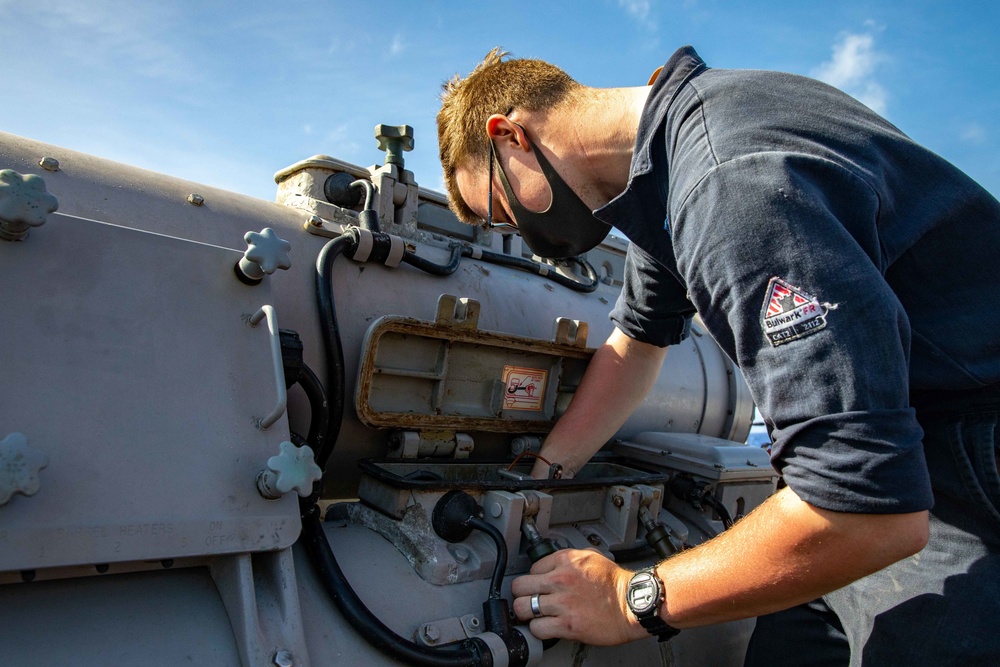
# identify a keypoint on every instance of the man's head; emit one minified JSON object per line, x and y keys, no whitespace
{"x":496,"y":86}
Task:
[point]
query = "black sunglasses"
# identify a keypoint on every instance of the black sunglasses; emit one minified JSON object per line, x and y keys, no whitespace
{"x":502,"y":227}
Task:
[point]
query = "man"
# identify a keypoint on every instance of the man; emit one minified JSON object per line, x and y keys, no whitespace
{"x":847,"y":270}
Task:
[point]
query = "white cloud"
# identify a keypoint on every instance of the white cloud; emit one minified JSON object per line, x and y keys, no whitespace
{"x":852,"y":69}
{"x":637,"y":9}
{"x":397,"y":46}
{"x":973,"y":133}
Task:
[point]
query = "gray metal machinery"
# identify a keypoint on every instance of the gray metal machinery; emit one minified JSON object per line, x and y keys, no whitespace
{"x":237,"y":432}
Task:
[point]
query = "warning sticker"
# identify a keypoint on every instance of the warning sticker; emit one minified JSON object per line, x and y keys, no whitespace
{"x":790,"y":313}
{"x":524,"y":388}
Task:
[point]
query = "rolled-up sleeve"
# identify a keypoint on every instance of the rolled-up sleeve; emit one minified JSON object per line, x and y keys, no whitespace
{"x":781,"y":255}
{"x":653,"y":306}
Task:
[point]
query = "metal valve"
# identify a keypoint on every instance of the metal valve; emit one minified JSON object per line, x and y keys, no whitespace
{"x":394,"y":139}
{"x":24,"y":203}
{"x":293,"y":469}
{"x":19,"y":467}
{"x":266,"y":253}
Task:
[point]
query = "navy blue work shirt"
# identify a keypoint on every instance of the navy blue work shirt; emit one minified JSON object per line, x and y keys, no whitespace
{"x":840,"y":264}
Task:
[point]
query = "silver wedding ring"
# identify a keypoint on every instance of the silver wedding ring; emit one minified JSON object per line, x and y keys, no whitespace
{"x":536,"y":611}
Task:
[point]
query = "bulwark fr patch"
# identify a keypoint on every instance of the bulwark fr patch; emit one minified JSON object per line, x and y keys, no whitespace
{"x":791,"y":313}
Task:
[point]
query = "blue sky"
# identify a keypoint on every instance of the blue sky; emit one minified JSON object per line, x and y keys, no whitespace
{"x":227,"y":93}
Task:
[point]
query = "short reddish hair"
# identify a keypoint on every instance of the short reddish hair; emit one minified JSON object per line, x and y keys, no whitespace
{"x":496,"y":86}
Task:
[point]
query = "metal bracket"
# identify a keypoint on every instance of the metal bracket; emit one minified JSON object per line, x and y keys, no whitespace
{"x":458,"y":313}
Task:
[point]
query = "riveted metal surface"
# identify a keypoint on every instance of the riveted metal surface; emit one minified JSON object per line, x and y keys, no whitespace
{"x":111,"y":367}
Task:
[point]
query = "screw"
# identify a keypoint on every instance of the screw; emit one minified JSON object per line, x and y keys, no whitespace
{"x":594,"y":539}
{"x":283,"y":658}
{"x":196,"y":199}
{"x":102,"y":568}
{"x":49,"y":164}
{"x":618,"y":501}
{"x":315,"y":221}
{"x":430,"y":633}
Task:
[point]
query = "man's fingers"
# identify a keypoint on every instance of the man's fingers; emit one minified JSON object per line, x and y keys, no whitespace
{"x":548,"y":563}
{"x":530,"y":584}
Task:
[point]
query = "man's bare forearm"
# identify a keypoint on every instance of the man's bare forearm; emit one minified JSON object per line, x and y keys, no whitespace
{"x":784,"y":553}
{"x":619,"y":376}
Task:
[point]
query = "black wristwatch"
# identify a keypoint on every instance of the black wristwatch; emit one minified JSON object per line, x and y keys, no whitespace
{"x":645,"y":596}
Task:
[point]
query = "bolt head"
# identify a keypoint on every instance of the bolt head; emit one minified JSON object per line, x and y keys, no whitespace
{"x":49,"y":164}
{"x":315,"y":221}
{"x":430,"y":633}
{"x":283,"y":658}
{"x":196,"y":199}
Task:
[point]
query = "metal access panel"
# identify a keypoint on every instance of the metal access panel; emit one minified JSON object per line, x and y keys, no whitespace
{"x":449,"y":374}
{"x":128,"y":363}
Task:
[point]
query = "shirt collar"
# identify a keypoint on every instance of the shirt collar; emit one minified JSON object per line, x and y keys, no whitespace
{"x":665,"y":81}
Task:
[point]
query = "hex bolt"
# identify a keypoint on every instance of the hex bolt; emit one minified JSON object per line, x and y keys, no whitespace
{"x":594,"y":539}
{"x":283,"y":658}
{"x":196,"y":199}
{"x":618,"y":501}
{"x":49,"y":164}
{"x":315,"y":221}
{"x":430,"y":633}
{"x":461,"y":554}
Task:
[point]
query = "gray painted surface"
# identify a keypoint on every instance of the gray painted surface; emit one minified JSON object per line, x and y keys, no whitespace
{"x":126,"y":359}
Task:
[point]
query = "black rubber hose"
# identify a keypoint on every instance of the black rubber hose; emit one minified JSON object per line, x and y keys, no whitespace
{"x":319,"y":408}
{"x":545,"y":270}
{"x":416,"y":261}
{"x":720,"y":509}
{"x":496,"y":582}
{"x":469,"y":653}
{"x":336,"y":382}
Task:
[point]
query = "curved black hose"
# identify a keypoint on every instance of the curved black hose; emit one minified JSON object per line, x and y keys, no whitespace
{"x":319,"y":408}
{"x":416,"y":261}
{"x":496,"y":582}
{"x":720,"y":509}
{"x":469,"y":653}
{"x":545,"y":270}
{"x":335,"y":380}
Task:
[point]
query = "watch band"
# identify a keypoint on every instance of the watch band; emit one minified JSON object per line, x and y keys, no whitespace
{"x":656,"y":626}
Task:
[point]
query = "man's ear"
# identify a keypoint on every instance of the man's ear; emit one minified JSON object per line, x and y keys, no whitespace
{"x":505,"y":132}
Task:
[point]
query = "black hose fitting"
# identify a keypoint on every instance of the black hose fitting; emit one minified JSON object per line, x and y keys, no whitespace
{"x":698,"y":493}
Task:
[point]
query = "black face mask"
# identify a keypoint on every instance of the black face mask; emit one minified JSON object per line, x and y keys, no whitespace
{"x":566,"y":228}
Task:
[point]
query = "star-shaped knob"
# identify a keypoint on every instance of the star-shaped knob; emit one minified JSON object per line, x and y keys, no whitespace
{"x":24,"y":203}
{"x":293,"y":469}
{"x":19,"y":467}
{"x":266,"y":253}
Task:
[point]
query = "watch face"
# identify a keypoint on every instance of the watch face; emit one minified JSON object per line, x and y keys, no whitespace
{"x":643,"y":593}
